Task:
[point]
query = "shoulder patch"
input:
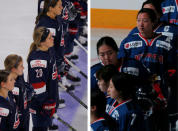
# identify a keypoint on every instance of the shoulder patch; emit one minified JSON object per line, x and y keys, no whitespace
{"x":168,"y":9}
{"x":4,"y":111}
{"x":163,"y":44}
{"x":15,"y":91}
{"x":38,"y":63}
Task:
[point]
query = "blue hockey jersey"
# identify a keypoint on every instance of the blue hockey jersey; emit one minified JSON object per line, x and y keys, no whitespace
{"x":156,"y":55}
{"x":56,"y":28}
{"x":127,"y":114}
{"x":170,"y":11}
{"x":94,"y":69}
{"x":23,"y":93}
{"x":98,"y":125}
{"x":9,"y":117}
{"x":169,"y":30}
{"x":42,"y":73}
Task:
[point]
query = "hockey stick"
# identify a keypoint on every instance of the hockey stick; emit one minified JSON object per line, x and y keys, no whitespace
{"x":78,"y":43}
{"x":65,"y":123}
{"x":76,"y":68}
{"x":72,"y":94}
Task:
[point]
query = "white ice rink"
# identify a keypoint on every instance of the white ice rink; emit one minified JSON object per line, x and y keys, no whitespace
{"x":17,"y":19}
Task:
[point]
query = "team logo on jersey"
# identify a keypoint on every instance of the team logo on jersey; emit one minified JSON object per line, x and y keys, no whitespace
{"x":4,"y":111}
{"x":131,"y":70}
{"x":38,"y":63}
{"x":53,"y":31}
{"x":115,"y":115}
{"x":15,"y":91}
{"x":168,"y":9}
{"x":133,"y":44}
{"x":166,"y":28}
{"x":163,"y":44}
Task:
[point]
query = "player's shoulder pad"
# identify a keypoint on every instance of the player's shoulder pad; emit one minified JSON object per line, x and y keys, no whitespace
{"x":4,"y":111}
{"x":98,"y":65}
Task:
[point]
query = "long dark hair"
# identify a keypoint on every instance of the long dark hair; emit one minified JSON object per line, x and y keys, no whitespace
{"x":47,"y":4}
{"x":109,"y":41}
{"x":98,"y":99}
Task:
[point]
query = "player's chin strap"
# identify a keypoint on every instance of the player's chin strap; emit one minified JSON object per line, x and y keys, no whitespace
{"x":75,"y":67}
{"x":72,"y":94}
{"x":65,"y":123}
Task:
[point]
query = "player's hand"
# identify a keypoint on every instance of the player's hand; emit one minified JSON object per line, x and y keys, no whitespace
{"x":49,"y":108}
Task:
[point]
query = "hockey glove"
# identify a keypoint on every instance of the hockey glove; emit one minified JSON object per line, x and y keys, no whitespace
{"x":49,"y":108}
{"x":30,"y":91}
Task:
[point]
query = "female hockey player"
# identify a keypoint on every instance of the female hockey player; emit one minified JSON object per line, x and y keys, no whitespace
{"x":107,"y":53}
{"x":9,"y":117}
{"x":22,"y":90}
{"x":163,"y":27}
{"x":49,"y":19}
{"x":42,"y":73}
{"x":155,"y":51}
{"x":122,"y":107}
{"x":100,"y":121}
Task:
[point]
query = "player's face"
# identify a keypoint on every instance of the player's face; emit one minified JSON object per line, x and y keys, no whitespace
{"x":107,"y":55}
{"x":49,"y":42}
{"x":19,"y":69}
{"x":58,"y":8}
{"x":144,"y":24}
{"x":102,"y":85}
{"x":9,"y":84}
{"x":112,"y":92}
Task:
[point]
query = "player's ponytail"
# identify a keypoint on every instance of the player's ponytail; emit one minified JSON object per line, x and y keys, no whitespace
{"x":38,"y":32}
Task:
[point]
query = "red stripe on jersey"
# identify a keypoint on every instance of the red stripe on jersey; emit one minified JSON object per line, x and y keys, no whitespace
{"x":38,"y":85}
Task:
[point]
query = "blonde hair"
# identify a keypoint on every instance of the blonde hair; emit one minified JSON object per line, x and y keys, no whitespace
{"x":37,"y":34}
{"x":12,"y":61}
